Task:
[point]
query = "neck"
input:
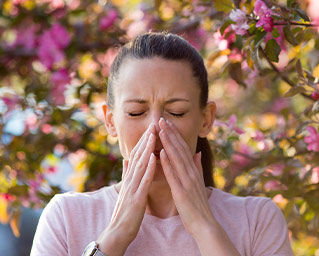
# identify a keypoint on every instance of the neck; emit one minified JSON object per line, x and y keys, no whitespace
{"x":160,"y":202}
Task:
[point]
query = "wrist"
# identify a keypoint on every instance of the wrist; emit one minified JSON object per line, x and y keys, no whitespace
{"x":112,"y":243}
{"x":204,"y":227}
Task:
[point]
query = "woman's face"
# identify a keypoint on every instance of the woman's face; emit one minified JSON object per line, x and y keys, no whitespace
{"x":148,"y":89}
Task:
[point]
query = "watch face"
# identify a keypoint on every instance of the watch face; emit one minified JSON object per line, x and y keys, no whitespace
{"x":89,"y":249}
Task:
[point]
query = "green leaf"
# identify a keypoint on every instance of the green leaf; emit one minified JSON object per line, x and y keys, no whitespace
{"x":272,"y":50}
{"x":236,"y":73}
{"x":302,"y":14}
{"x":225,"y":25}
{"x":275,"y":33}
{"x":260,"y":35}
{"x":290,"y":36}
{"x":295,"y":90}
{"x":299,"y":68}
{"x":224,"y":5}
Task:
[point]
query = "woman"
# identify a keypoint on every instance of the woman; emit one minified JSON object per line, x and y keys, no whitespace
{"x":165,"y":204}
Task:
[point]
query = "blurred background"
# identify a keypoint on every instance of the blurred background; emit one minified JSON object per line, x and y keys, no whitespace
{"x":262,"y":59}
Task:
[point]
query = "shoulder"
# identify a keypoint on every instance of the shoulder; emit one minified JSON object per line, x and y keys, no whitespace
{"x":251,"y":204}
{"x":259,"y":217}
{"x":254,"y":210}
{"x":78,"y":201}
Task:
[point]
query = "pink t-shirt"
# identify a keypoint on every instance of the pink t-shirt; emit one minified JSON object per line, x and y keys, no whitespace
{"x":71,"y":220}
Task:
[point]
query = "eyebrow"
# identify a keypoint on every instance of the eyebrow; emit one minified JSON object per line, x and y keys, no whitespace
{"x":140,"y":101}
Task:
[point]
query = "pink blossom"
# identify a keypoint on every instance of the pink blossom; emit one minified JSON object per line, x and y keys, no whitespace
{"x":315,"y":175}
{"x":197,"y":38}
{"x":312,"y":10}
{"x":106,"y":60}
{"x":108,"y":20}
{"x":46,"y":128}
{"x":51,"y":45}
{"x":279,"y":104}
{"x":274,"y":185}
{"x":276,"y":169}
{"x":241,"y":25}
{"x":60,"y":35}
{"x":26,"y":37}
{"x":31,"y":122}
{"x":315,"y":95}
{"x":224,"y":41}
{"x":59,"y":80}
{"x":230,"y":124}
{"x":312,"y":140}
{"x":265,"y":16}
{"x":235,"y":55}
{"x":112,"y":157}
{"x":241,"y":159}
{"x":52,"y":169}
{"x":8,"y":197}
{"x":11,"y":102}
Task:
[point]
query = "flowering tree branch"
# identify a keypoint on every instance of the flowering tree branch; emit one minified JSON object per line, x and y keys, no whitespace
{"x":282,"y":76}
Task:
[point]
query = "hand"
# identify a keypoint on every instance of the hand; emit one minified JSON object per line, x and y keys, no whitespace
{"x":185,"y":178}
{"x":130,"y":208}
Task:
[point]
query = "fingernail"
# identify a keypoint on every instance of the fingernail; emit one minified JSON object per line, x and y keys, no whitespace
{"x":200,"y":155}
{"x":170,"y":123}
{"x":162,"y":120}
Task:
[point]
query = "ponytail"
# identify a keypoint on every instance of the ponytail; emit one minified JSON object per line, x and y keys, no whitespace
{"x":207,"y":160}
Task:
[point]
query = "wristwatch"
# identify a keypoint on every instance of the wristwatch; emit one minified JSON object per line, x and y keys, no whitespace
{"x":92,"y":250}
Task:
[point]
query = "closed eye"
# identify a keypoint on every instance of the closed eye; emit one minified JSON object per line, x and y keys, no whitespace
{"x":135,"y":114}
{"x":139,"y":114}
{"x":177,"y":115}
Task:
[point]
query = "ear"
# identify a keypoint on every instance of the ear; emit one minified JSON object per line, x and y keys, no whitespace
{"x":208,"y":119}
{"x":109,"y":120}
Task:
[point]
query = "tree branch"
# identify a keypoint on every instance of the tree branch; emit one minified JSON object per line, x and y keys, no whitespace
{"x":282,"y":76}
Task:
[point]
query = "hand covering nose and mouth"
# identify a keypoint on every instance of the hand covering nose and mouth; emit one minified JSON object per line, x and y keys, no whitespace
{"x":158,"y":145}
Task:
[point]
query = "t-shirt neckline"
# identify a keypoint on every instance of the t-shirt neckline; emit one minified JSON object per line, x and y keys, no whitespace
{"x":173,"y":220}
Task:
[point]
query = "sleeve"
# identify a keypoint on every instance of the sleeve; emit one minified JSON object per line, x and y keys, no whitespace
{"x":50,"y":236}
{"x":270,"y":234}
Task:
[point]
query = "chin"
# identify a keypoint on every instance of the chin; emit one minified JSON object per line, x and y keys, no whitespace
{"x":159,"y":175}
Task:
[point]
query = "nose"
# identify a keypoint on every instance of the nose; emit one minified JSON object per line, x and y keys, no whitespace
{"x":154,"y":118}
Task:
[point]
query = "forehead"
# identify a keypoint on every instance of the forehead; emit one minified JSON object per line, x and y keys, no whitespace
{"x":155,"y":79}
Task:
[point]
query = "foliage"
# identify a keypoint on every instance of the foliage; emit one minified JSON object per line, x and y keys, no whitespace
{"x":263,"y":63}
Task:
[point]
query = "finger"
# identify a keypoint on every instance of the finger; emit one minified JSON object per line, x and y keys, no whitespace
{"x":141,"y":165}
{"x":171,"y":178}
{"x":125,"y":166}
{"x":173,"y":155}
{"x":147,"y":179}
{"x":198,"y":163}
{"x":139,"y":148}
{"x":179,"y":143}
{"x":171,"y":127}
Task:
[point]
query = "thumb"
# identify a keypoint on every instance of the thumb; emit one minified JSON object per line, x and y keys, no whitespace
{"x":125,"y":166}
{"x":198,"y":161}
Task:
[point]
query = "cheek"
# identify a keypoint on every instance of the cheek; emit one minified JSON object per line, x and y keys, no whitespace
{"x":128,"y":138}
{"x":189,"y":133}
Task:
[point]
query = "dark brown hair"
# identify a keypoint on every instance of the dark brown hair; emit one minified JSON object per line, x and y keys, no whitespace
{"x":171,"y":47}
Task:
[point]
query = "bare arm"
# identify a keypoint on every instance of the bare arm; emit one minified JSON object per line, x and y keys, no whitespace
{"x":129,"y":211}
{"x":184,"y":175}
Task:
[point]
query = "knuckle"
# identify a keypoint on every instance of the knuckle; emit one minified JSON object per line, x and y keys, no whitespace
{"x":188,"y":184}
{"x":137,"y":155}
{"x":193,"y":176}
{"x":140,"y":165}
{"x":147,"y":181}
